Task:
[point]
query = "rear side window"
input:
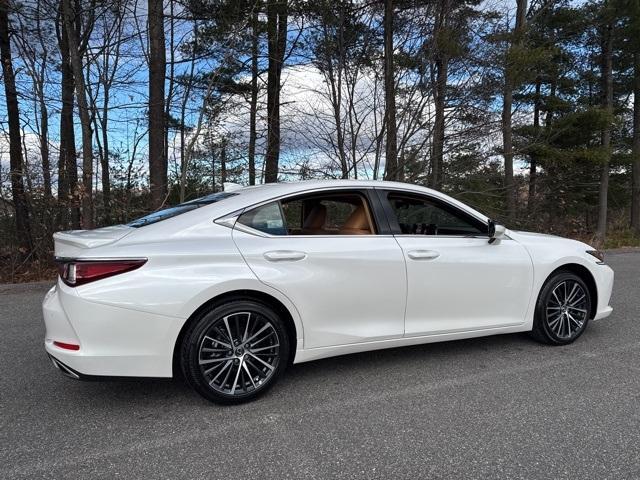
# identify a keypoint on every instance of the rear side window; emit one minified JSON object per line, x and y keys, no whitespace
{"x":266,"y":218}
{"x":337,"y":214}
{"x":316,"y":214}
{"x":171,"y":212}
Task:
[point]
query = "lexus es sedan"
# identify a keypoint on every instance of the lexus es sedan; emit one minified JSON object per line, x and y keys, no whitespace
{"x":228,"y":289}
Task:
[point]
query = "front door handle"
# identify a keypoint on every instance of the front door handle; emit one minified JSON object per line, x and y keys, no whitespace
{"x":284,"y":256}
{"x":423,"y":254}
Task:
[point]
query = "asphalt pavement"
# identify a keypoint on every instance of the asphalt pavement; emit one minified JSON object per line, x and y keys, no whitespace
{"x":495,"y":407}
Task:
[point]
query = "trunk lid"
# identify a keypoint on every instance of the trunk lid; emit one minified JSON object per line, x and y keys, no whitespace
{"x":75,"y":243}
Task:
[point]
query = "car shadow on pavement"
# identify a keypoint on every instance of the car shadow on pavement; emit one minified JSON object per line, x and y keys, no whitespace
{"x":313,"y":377}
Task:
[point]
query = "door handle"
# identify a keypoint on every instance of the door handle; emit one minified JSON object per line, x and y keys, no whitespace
{"x":284,"y":256}
{"x":423,"y":254}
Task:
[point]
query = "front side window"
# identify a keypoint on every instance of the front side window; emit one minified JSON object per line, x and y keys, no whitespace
{"x":424,"y":216}
{"x":316,"y":214}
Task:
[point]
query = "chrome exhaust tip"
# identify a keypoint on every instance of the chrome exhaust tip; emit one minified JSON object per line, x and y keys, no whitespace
{"x":66,"y":371}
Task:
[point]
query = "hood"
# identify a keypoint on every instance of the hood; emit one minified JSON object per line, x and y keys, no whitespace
{"x":532,"y":238}
{"x":75,"y":243}
{"x":533,"y":235}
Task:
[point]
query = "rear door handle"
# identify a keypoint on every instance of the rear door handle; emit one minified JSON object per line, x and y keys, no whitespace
{"x":284,"y":256}
{"x":423,"y":254}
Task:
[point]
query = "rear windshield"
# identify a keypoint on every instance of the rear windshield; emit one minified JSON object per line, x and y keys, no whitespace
{"x":170,"y":212}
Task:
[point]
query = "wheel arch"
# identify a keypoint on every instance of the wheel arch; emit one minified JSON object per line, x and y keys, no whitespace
{"x":240,"y":294}
{"x":586,"y":276}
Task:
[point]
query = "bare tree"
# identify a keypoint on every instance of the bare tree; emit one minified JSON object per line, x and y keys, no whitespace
{"x":106,"y":65}
{"x":157,"y":67}
{"x":36,"y":56}
{"x":606,"y":69}
{"x":507,"y":106}
{"x":23,"y":227}
{"x":277,"y":14}
{"x":75,"y":56}
{"x":392,"y":172}
{"x":253,"y":104}
{"x":67,"y":164}
{"x":441,"y":67}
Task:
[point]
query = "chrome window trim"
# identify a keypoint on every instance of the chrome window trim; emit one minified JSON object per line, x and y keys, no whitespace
{"x":230,"y":220}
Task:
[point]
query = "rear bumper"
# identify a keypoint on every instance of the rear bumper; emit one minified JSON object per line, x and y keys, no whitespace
{"x":114,"y":341}
{"x":64,"y":369}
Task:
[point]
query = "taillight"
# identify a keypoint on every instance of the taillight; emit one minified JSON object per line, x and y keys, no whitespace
{"x":66,"y":346}
{"x":79,"y":272}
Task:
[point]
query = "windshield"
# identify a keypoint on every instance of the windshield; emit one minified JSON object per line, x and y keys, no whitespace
{"x":170,"y":212}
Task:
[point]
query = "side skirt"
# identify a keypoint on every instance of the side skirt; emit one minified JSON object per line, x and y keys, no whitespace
{"x":307,"y":355}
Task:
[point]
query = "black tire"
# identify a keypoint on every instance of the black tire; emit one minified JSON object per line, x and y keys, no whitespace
{"x":562,"y":316}
{"x":243,"y":373}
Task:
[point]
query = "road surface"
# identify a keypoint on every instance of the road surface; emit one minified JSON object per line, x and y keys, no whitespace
{"x":496,"y":407}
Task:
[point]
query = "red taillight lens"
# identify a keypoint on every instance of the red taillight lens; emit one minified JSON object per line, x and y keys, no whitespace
{"x":75,"y":273}
{"x":67,"y":346}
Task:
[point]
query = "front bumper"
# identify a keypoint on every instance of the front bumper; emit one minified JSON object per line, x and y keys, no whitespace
{"x":603,"y":275}
{"x":114,"y":341}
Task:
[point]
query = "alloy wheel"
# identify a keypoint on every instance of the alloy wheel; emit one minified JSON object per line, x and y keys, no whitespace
{"x":566,"y":309}
{"x":239,"y":353}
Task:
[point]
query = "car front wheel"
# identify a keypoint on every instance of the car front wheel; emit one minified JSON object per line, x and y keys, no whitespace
{"x":562,"y":310}
{"x":235,"y":351}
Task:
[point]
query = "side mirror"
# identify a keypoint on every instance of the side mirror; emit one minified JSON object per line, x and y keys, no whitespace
{"x":495,"y":231}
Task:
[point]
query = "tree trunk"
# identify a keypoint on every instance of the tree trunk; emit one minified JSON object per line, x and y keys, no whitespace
{"x":111,"y":62}
{"x":438,"y":124}
{"x":44,"y":134}
{"x":607,"y":106}
{"x":533,"y":167}
{"x":253,"y":107}
{"x":391,"y":145}
{"x":171,"y":81}
{"x":106,"y":184}
{"x":85,"y":118}
{"x":67,"y":163}
{"x":223,"y":165}
{"x":277,"y":42}
{"x":23,"y":226}
{"x":440,"y":91}
{"x":635,"y":190}
{"x":44,"y":111}
{"x":507,"y":105}
{"x":183,"y":115}
{"x":157,"y":65}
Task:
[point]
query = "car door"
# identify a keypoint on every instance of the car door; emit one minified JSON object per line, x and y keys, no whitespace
{"x":329,"y":253}
{"x":457,"y":280}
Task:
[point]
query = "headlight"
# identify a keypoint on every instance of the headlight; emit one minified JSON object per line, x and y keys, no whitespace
{"x":598,"y":254}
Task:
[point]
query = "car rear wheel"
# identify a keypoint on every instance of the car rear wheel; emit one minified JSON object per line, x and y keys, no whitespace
{"x":563,"y":309}
{"x":235,"y":352}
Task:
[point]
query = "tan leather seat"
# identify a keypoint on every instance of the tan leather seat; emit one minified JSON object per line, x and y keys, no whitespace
{"x":314,"y":223}
{"x":357,"y":223}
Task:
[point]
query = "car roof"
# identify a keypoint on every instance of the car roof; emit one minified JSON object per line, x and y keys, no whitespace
{"x":261,"y":193}
{"x":282,"y":188}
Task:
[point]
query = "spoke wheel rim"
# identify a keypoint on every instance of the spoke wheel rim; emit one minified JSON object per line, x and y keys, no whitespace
{"x":566,"y":310}
{"x":239,"y":353}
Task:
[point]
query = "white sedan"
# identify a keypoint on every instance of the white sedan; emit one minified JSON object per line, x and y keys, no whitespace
{"x":229,"y":289}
